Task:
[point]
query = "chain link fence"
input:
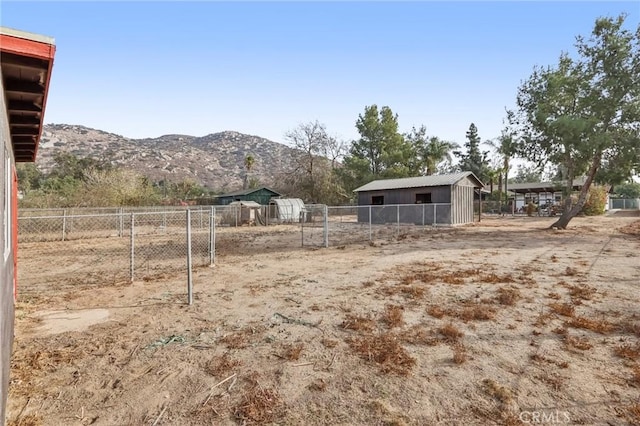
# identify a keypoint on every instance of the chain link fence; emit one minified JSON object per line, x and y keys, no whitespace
{"x":624,"y":203}
{"x":357,"y":224}
{"x":94,"y":247}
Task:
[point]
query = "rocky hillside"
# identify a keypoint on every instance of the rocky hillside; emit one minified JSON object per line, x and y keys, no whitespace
{"x":215,"y":161}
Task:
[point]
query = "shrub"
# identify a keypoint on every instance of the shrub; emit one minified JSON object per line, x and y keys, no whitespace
{"x":531,"y":209}
{"x":596,"y":201}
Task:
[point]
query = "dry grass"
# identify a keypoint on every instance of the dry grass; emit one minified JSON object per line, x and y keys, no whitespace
{"x":413,"y":291}
{"x":561,"y":331}
{"x":418,"y":335}
{"x":479,"y":312}
{"x":631,"y":327}
{"x":583,"y":292}
{"x":386,"y":415}
{"x":495,"y":278}
{"x":243,"y":338}
{"x":408,"y":291}
{"x":570,"y":272}
{"x":393,"y":316}
{"x":358,"y":323}
{"x":498,"y":392}
{"x":508,"y":296}
{"x":628,"y":351}
{"x":436,"y":311}
{"x":543,"y":319}
{"x":459,"y":353}
{"x":633,"y":411}
{"x":258,"y":405}
{"x":597,"y":325}
{"x":536,"y":357}
{"x":580,"y":343}
{"x":27,"y":420}
{"x":554,"y":380}
{"x":635,"y":378}
{"x":328,"y":343}
{"x":564,"y":309}
{"x":450,"y":332}
{"x":221,"y":365}
{"x":384,"y":350}
{"x":291,"y":352}
{"x":318,"y":385}
{"x":451,"y":278}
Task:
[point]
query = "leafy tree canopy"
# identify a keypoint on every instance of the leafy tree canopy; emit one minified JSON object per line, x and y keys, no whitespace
{"x":627,"y":190}
{"x":380,"y":152}
{"x":472,"y":159}
{"x":584,"y":113}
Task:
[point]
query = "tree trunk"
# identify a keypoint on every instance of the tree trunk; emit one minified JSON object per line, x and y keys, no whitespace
{"x":500,"y":191}
{"x":570,"y":211}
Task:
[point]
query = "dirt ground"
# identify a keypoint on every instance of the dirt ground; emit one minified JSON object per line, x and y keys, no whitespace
{"x":500,"y":322}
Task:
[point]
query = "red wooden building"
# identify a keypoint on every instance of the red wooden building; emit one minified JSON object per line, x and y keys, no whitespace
{"x":25,"y":60}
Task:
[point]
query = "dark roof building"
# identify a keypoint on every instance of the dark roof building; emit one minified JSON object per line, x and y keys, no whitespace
{"x":260,"y":195}
{"x":451,"y":199}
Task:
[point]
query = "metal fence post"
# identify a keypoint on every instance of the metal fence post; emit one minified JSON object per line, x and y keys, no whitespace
{"x":435,"y":222}
{"x":301,"y":229}
{"x":132,"y":248}
{"x":423,"y":208}
{"x":189,"y":281}
{"x":326,"y":226}
{"x":398,"y":218}
{"x":121,"y":223}
{"x":370,"y":230}
{"x":212,"y":235}
{"x":64,"y":223}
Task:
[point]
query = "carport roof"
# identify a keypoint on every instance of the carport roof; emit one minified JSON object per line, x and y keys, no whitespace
{"x":26,"y":60}
{"x":536,"y":187}
{"x":419,"y":182}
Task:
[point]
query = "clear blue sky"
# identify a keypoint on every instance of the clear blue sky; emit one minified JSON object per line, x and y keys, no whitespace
{"x":144,"y":69}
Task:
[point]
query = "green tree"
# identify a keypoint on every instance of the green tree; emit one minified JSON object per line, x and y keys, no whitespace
{"x":429,"y":152}
{"x":526,"y":174}
{"x":473,"y":159}
{"x":627,"y":190}
{"x":117,"y":187}
{"x":249,"y":162}
{"x":381,"y":151}
{"x":69,"y":165}
{"x":29,"y":177}
{"x":584,"y":113}
{"x":505,"y":147}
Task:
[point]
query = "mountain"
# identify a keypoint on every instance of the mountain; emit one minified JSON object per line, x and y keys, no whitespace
{"x":215,"y":161}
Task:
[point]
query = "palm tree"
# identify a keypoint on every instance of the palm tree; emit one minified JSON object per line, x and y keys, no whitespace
{"x":505,"y":147}
{"x":249,"y":161}
{"x":492,"y":174}
{"x":435,"y":152}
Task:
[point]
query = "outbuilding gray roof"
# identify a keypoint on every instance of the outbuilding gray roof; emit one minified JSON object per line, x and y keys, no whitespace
{"x":418,"y":182}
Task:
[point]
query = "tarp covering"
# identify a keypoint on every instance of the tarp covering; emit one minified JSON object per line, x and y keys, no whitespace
{"x":287,"y":209}
{"x":251,"y":204}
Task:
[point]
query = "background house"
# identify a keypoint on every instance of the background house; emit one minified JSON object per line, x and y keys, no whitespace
{"x":26,"y":61}
{"x":260,"y":195}
{"x":539,"y":193}
{"x":437,"y":199}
